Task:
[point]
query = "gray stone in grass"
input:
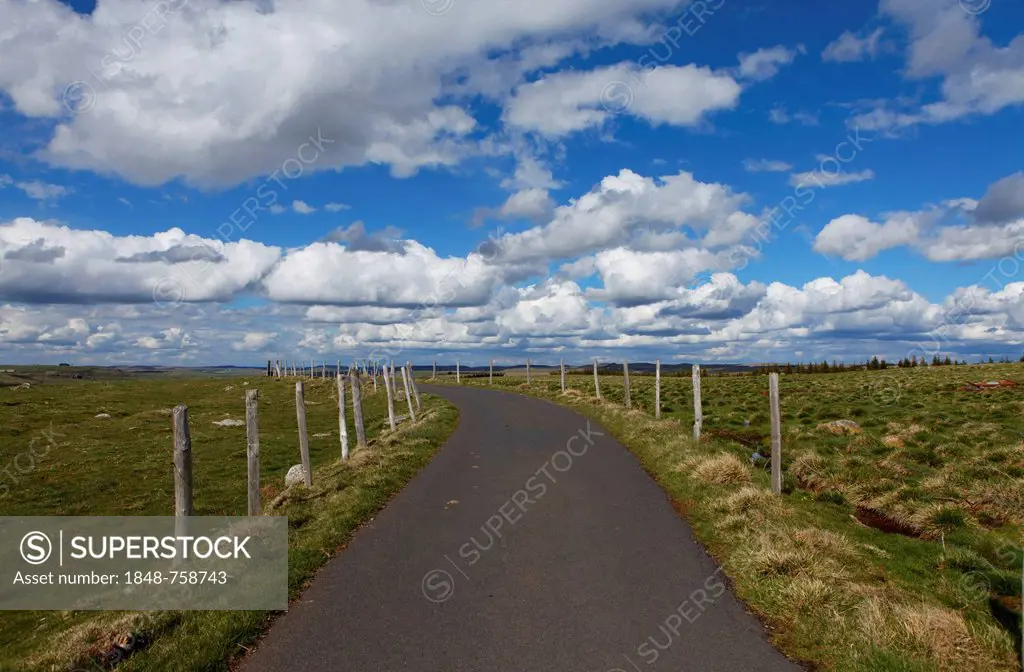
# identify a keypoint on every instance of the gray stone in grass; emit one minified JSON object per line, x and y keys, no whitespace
{"x":294,"y":476}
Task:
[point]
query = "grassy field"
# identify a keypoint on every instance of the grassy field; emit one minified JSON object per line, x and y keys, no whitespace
{"x":896,"y":544}
{"x":58,"y":458}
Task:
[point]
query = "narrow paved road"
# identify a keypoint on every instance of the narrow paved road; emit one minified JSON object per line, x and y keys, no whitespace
{"x":520,"y":547}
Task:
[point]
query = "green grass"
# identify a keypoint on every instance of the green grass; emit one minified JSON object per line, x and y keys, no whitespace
{"x":81,"y":465}
{"x":894,"y":548}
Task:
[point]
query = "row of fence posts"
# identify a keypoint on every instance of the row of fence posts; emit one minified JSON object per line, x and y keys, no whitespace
{"x":280,"y":368}
{"x":183,"y":505}
{"x":698,"y":409}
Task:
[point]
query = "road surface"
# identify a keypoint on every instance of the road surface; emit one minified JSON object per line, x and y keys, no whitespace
{"x":519,"y":548}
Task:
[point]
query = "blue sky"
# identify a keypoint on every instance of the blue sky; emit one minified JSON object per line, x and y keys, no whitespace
{"x":628,"y":162}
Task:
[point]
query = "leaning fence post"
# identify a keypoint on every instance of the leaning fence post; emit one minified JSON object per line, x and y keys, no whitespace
{"x":698,"y":409}
{"x":300,"y":411}
{"x":657,"y":389}
{"x":408,"y":394}
{"x":597,"y":383}
{"x":252,"y":435}
{"x":625,"y":374}
{"x":182,"y":462}
{"x":357,"y":408}
{"x":415,"y":389}
{"x":773,"y":395}
{"x":391,"y":399}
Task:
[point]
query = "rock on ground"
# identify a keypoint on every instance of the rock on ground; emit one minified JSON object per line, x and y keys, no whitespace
{"x":229,"y":423}
{"x":295,"y":476}
{"x":103,"y":416}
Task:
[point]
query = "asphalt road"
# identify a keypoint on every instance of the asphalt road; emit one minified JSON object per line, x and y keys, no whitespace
{"x":520,"y":547}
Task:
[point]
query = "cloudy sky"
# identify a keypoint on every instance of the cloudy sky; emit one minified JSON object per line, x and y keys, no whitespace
{"x":209,"y":182}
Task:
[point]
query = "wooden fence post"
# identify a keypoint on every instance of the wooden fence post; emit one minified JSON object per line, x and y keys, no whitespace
{"x":252,"y":435}
{"x":415,"y":388}
{"x":657,"y":389}
{"x":698,"y":408}
{"x":625,"y":382}
{"x":391,"y":399}
{"x":342,"y":425}
{"x":458,"y":373}
{"x":528,"y":371}
{"x":408,"y":394}
{"x":561,"y":370}
{"x":357,"y":409}
{"x":323,"y":370}
{"x":433,"y":375}
{"x":773,"y":394}
{"x":597,"y":383}
{"x":300,"y":411}
{"x":490,"y":375}
{"x":182,"y":462}
{"x":394,"y":380}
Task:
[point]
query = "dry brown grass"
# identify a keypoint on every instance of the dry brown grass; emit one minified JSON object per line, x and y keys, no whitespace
{"x":723,"y":469}
{"x":893,"y":441}
{"x":810,"y":470}
{"x":938,"y":635}
{"x":840,"y":427}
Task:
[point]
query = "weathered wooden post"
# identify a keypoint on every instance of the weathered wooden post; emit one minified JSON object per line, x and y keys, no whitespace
{"x":394,"y":379}
{"x":415,"y":388}
{"x":458,"y":373}
{"x":490,"y":375}
{"x":391,"y":399}
{"x":773,"y":395}
{"x":342,"y":425}
{"x":698,"y":408}
{"x":433,"y":375}
{"x":561,"y":368}
{"x":357,"y":408}
{"x":323,"y":370}
{"x":182,"y":461}
{"x":657,"y":389}
{"x":597,"y":383}
{"x":252,"y":435}
{"x":408,"y":394}
{"x":373,"y":377}
{"x":625,"y":382}
{"x":300,"y":411}
{"x":527,"y":370}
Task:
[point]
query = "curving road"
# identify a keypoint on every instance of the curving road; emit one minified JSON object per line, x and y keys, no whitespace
{"x":531,"y":541}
